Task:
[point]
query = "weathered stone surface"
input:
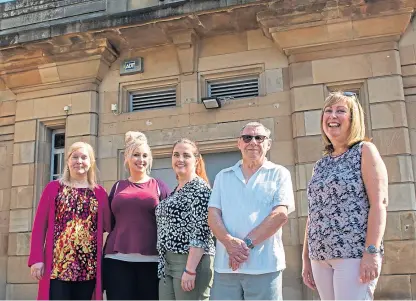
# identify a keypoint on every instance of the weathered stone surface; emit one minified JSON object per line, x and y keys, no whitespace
{"x":308,"y":98}
{"x":25,"y":131}
{"x":303,"y":174}
{"x":301,"y":74}
{"x":22,"y":291}
{"x":393,"y":141}
{"x":348,"y":68}
{"x":388,"y":88}
{"x":399,"y":257}
{"x":399,"y":168}
{"x":7,"y":108}
{"x":24,"y":153}
{"x":4,"y":222}
{"x":3,"y":244}
{"x":402,"y":197}
{"x":388,"y":115}
{"x":400,"y":226}
{"x":82,"y":124}
{"x":413,"y":283}
{"x":22,"y":197}
{"x":3,"y":276}
{"x":17,"y":270}
{"x":290,"y":233}
{"x":4,"y":199}
{"x":282,"y":152}
{"x":23,"y":175}
{"x":393,"y":287}
{"x":308,"y":149}
{"x":19,"y":244}
{"x":20,"y":220}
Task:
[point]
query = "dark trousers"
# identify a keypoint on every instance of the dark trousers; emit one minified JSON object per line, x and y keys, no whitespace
{"x":71,"y":290}
{"x":125,"y":280}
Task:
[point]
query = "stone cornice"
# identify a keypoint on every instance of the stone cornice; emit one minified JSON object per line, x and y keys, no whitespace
{"x":296,"y":28}
{"x":46,"y":66}
{"x":329,"y":25}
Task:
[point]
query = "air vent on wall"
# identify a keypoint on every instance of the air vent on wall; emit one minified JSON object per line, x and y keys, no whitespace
{"x":153,"y":99}
{"x":235,"y":88}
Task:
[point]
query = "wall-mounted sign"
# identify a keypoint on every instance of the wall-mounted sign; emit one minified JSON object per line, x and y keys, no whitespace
{"x":131,"y":66}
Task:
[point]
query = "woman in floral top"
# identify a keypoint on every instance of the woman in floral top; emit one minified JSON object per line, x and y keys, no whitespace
{"x":185,"y":242}
{"x":71,"y":218}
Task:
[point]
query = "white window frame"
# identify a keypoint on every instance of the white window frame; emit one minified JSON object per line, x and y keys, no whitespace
{"x":54,"y":152}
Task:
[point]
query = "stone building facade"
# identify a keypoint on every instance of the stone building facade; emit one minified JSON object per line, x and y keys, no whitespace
{"x":60,"y":76}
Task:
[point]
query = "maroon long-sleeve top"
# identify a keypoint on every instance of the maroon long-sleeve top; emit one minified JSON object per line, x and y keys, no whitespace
{"x":133,"y":216}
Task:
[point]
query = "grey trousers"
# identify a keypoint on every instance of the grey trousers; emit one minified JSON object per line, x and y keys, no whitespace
{"x":233,"y":286}
{"x":170,"y":288}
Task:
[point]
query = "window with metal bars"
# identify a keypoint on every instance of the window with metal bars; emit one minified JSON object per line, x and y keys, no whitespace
{"x":234,"y":88}
{"x":153,"y":99}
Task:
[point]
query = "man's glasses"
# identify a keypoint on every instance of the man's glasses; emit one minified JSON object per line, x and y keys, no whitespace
{"x":248,"y":138}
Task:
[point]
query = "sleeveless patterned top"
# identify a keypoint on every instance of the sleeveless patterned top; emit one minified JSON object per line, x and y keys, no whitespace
{"x":338,"y":207}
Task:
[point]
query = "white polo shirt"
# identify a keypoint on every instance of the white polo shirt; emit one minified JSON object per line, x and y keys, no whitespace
{"x":245,"y":206}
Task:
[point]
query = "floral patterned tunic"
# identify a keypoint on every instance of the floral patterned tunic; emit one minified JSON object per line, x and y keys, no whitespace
{"x":75,"y":235}
{"x":338,"y":207}
{"x":182,"y":222}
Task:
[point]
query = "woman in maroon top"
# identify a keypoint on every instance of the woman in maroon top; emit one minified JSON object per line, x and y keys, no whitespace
{"x":131,"y":258}
{"x":66,"y":242}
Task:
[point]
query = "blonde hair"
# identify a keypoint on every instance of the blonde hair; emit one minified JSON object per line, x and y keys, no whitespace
{"x":65,"y":179}
{"x":134,"y":140}
{"x":357,"y":127}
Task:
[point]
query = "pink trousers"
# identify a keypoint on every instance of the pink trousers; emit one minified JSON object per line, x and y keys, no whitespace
{"x":339,"y":279}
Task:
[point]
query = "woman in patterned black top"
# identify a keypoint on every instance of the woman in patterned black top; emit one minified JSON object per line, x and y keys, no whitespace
{"x":347,"y":202}
{"x":185,"y":242}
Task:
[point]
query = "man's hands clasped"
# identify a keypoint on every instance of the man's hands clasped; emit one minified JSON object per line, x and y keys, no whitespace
{"x":238,"y":252}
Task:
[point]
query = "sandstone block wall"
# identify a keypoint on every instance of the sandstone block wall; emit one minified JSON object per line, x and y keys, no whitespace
{"x":293,"y":86}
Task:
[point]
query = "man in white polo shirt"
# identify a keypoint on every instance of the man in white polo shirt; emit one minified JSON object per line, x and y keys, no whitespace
{"x":249,"y":204}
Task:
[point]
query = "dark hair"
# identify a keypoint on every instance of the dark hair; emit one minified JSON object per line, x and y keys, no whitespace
{"x":200,"y":164}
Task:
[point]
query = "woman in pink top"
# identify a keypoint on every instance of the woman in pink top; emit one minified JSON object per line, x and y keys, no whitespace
{"x":67,"y":236}
{"x":131,"y":258}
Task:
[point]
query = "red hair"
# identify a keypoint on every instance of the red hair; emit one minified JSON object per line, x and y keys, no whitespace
{"x":200,"y":163}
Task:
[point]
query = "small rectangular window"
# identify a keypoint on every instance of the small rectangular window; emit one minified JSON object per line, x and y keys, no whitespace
{"x":234,"y":88}
{"x":58,"y":154}
{"x":154,"y":99}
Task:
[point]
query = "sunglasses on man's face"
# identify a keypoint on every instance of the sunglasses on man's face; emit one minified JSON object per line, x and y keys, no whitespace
{"x":258,"y":138}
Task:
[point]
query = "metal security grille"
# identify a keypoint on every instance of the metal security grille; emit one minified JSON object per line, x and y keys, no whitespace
{"x":235,"y":88}
{"x":154,"y":99}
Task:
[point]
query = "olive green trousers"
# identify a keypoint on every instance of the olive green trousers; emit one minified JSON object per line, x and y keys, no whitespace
{"x":170,"y":288}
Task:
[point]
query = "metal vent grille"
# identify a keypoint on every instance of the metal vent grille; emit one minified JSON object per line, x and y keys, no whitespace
{"x":154,"y":99}
{"x":236,"y":88}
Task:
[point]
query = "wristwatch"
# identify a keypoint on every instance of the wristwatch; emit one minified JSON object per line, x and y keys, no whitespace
{"x":372,"y":249}
{"x":249,"y":242}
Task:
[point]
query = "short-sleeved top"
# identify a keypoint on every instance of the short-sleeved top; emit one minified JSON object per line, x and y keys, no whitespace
{"x":75,"y":235}
{"x":338,"y":207}
{"x":182,"y":221}
{"x":244,"y":206}
{"x":133,"y":229}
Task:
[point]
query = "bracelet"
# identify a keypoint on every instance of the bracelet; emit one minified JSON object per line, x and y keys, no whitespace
{"x":190,"y":273}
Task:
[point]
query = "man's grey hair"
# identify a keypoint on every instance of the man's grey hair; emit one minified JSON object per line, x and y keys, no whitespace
{"x":255,"y":124}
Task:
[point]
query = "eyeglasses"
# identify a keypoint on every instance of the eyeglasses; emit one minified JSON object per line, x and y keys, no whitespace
{"x":258,"y":138}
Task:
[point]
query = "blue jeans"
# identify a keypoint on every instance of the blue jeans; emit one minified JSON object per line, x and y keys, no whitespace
{"x":229,"y":286}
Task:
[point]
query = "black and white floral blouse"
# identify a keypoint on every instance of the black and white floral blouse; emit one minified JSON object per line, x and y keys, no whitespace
{"x":338,"y":207}
{"x":182,"y":221}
